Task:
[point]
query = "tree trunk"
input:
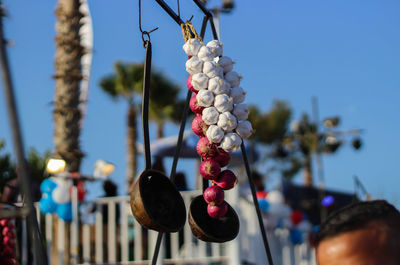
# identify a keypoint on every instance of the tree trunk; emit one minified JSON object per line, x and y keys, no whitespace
{"x":68,"y":75}
{"x":160,"y":129}
{"x":307,"y":173}
{"x":131,"y":154}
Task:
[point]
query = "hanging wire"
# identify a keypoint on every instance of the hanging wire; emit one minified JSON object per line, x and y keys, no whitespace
{"x":179,"y":8}
{"x":144,"y":33}
{"x":256,"y":205}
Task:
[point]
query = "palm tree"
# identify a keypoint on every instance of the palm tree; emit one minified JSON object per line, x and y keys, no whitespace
{"x":68,"y":75}
{"x":164,"y":105}
{"x":124,"y":83}
{"x":128,"y":81}
{"x":271,"y":129}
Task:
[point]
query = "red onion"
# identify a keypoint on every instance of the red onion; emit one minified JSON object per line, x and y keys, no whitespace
{"x":210,"y":169}
{"x":217,"y":211}
{"x":9,"y":252}
{"x":226,"y":180}
{"x":206,"y":149}
{"x":9,"y":261}
{"x":4,"y":222}
{"x":194,"y":106}
{"x":223,"y":157}
{"x":8,"y":241}
{"x":214,"y":195}
{"x":198,"y":126}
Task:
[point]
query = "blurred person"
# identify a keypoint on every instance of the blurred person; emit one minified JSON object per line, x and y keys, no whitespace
{"x":258,"y":181}
{"x":364,"y":233}
{"x":179,"y":179}
{"x":110,"y":190}
{"x":158,"y":164}
{"x":12,"y":189}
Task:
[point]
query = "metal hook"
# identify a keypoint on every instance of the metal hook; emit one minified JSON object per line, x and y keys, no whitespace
{"x":144,"y":32}
{"x":145,"y":41}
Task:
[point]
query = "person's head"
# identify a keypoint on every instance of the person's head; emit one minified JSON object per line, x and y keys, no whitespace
{"x":364,"y":233}
{"x":179,"y":180}
{"x":158,"y":164}
{"x":110,"y":188}
{"x":258,"y":180}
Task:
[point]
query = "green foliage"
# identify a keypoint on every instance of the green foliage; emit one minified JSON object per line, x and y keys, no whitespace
{"x":7,"y":167}
{"x":163,"y":97}
{"x":293,"y":166}
{"x":124,"y":82}
{"x":272,"y":126}
{"x":176,"y":115}
{"x":128,"y":80}
{"x":271,"y":129}
{"x":36,"y":161}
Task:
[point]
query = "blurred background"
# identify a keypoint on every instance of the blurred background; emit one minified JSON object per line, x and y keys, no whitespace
{"x":336,"y":59}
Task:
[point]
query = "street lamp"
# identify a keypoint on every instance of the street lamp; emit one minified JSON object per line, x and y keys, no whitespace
{"x":310,"y":138}
{"x":55,"y":165}
{"x":228,"y":4}
{"x":226,"y":7}
{"x":331,"y":122}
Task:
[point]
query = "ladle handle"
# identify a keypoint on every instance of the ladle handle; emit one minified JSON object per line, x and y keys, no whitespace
{"x":145,"y":105}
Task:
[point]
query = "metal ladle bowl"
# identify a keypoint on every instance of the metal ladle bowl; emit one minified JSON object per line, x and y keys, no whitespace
{"x":209,"y":229}
{"x":156,"y":203}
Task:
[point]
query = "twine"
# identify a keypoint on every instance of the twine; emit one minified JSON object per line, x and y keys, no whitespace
{"x":188,"y":31}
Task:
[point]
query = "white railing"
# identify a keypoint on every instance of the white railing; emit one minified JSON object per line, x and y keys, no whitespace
{"x":116,"y":238}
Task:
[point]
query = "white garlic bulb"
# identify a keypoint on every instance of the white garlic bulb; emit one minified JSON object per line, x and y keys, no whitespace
{"x":194,"y":65}
{"x":205,"y":54}
{"x":216,"y":47}
{"x":237,"y":94}
{"x":233,"y":78}
{"x":212,"y":69}
{"x":244,"y":129}
{"x":192,"y":47}
{"x":210,"y":115}
{"x":223,"y":103}
{"x":215,"y":134}
{"x":231,"y":142}
{"x":205,"y":98}
{"x":200,"y":81}
{"x":227,"y":121}
{"x":241,"y":111}
{"x":226,"y":63}
{"x":218,"y":85}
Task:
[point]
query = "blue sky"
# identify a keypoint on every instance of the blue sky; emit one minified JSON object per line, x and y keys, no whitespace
{"x":343,"y":52}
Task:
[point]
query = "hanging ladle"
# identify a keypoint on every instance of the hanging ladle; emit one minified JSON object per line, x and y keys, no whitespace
{"x":209,"y":229}
{"x":155,"y":201}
